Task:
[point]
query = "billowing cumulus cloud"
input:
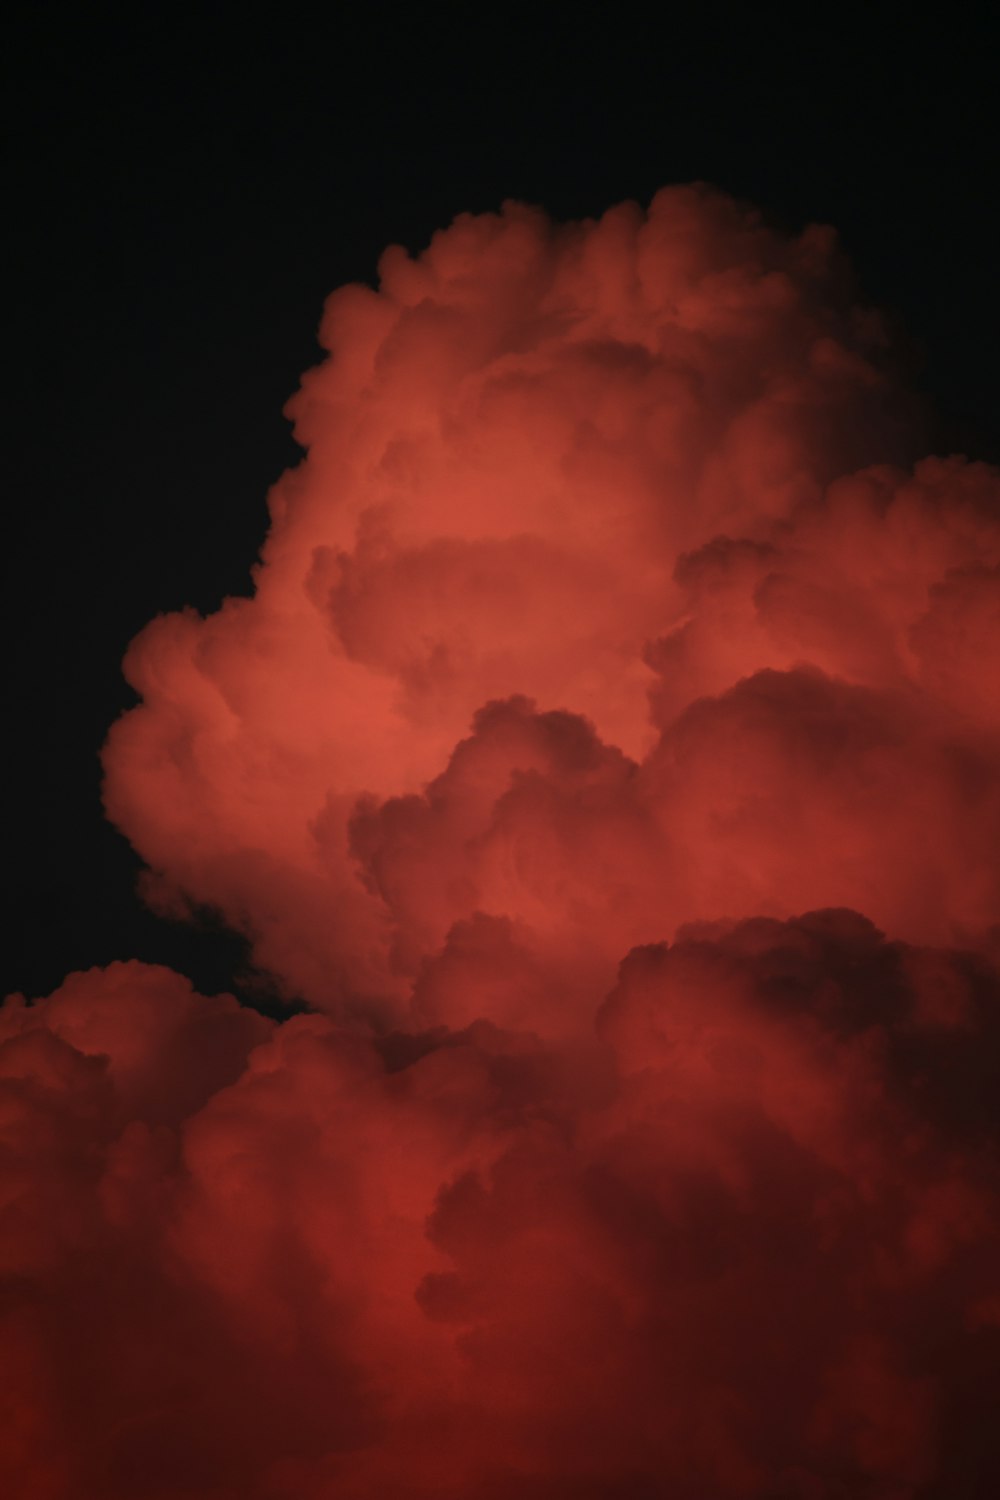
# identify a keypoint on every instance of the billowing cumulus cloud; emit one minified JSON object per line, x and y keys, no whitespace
{"x":610,"y":759}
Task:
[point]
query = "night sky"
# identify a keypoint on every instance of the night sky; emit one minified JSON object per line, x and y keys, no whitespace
{"x":183,"y":196}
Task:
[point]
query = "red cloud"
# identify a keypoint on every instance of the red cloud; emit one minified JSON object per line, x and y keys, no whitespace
{"x":594,"y":642}
{"x":741,"y":1238}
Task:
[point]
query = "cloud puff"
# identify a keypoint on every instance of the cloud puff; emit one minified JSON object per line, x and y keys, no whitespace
{"x":600,"y":635}
{"x":583,"y":464}
{"x":740,"y":1239}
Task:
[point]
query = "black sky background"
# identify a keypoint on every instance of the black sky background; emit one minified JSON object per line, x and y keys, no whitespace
{"x":182,"y":195}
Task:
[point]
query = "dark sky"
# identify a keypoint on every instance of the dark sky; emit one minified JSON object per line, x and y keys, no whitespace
{"x":181,"y":198}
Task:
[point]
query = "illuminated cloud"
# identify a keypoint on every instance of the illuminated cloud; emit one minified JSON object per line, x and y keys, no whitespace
{"x":610,"y":760}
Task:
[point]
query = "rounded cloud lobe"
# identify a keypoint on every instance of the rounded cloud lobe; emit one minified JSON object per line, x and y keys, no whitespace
{"x":610,"y":759}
